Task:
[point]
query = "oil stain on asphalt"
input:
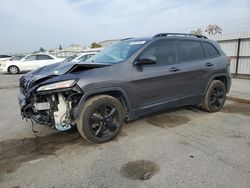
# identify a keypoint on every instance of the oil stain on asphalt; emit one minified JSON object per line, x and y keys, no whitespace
{"x":237,"y":108}
{"x":165,"y":121}
{"x":139,"y":169}
{"x":15,"y":152}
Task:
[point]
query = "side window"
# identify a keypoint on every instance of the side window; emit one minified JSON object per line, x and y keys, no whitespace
{"x":43,"y":57}
{"x":163,"y":50}
{"x":4,"y":56}
{"x":30,"y":58}
{"x":189,"y":51}
{"x":210,"y":50}
{"x":16,"y":58}
{"x":90,"y":55}
{"x":83,"y":58}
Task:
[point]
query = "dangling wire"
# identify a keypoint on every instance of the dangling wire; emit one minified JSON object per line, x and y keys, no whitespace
{"x":33,"y":129}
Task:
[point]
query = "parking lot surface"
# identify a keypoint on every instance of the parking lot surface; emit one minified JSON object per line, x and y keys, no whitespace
{"x":184,"y":147}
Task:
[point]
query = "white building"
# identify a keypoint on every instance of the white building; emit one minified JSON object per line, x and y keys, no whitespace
{"x":237,"y":46}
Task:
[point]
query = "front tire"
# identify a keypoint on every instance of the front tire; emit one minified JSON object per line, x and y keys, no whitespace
{"x":101,"y":119}
{"x":13,"y":69}
{"x":215,"y":97}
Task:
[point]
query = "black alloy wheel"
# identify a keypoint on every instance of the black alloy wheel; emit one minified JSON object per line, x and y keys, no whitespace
{"x":101,"y":119}
{"x":215,"y":97}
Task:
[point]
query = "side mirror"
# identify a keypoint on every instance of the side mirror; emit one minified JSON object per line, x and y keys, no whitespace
{"x":146,"y":60}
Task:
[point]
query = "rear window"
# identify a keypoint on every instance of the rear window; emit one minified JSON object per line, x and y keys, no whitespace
{"x":210,"y":50}
{"x":30,"y":58}
{"x":189,"y":51}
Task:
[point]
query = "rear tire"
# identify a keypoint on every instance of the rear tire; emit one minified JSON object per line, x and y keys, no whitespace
{"x":13,"y":69}
{"x":101,"y":119}
{"x":215,"y":97}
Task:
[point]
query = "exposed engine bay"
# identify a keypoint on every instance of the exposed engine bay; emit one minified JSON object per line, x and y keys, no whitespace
{"x":54,"y":109}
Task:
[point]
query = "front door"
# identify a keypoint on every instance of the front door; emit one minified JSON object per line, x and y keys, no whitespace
{"x":157,"y":83}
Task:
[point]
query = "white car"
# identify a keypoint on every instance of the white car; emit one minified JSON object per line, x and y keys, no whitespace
{"x":80,"y":57}
{"x":28,"y":63}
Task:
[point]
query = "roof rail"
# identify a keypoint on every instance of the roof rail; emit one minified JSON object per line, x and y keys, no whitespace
{"x":179,"y":34}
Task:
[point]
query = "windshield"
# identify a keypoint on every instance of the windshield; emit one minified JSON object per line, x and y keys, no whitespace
{"x":118,"y":52}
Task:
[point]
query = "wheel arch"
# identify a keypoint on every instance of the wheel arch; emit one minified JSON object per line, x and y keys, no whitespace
{"x":13,"y":65}
{"x":115,"y":92}
{"x":222,"y":77}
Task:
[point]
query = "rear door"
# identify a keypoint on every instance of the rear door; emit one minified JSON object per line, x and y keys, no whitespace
{"x":44,"y":60}
{"x":194,"y":68}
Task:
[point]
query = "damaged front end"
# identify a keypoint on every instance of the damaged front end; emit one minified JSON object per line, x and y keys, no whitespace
{"x":50,"y":95}
{"x":52,"y":104}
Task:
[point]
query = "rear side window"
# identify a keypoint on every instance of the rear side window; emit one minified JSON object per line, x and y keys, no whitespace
{"x":189,"y":51}
{"x":30,"y":58}
{"x":210,"y":50}
{"x":43,"y":57}
{"x":163,"y":50}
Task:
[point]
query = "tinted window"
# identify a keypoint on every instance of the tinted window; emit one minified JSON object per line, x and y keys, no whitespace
{"x":189,"y":51}
{"x":163,"y":50}
{"x":4,"y":56}
{"x":210,"y":50}
{"x":43,"y":57}
{"x":30,"y":58}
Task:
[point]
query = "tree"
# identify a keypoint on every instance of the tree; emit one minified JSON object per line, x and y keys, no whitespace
{"x":196,"y":32}
{"x":60,"y":47}
{"x":213,"y":29}
{"x":41,"y":49}
{"x":95,"y":45}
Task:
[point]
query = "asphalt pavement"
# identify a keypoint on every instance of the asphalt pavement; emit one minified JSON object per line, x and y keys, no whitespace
{"x":185,"y":147}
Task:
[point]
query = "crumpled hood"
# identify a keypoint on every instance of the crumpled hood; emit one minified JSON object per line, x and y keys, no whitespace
{"x":62,"y":68}
{"x":57,"y":69}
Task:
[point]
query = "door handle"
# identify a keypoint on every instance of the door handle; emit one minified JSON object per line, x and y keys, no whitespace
{"x":174,"y":69}
{"x":209,"y":64}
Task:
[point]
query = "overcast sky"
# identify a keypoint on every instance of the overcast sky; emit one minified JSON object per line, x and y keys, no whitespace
{"x":27,"y":25}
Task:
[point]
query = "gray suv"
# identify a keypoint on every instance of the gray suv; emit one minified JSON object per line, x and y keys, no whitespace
{"x":133,"y":78}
